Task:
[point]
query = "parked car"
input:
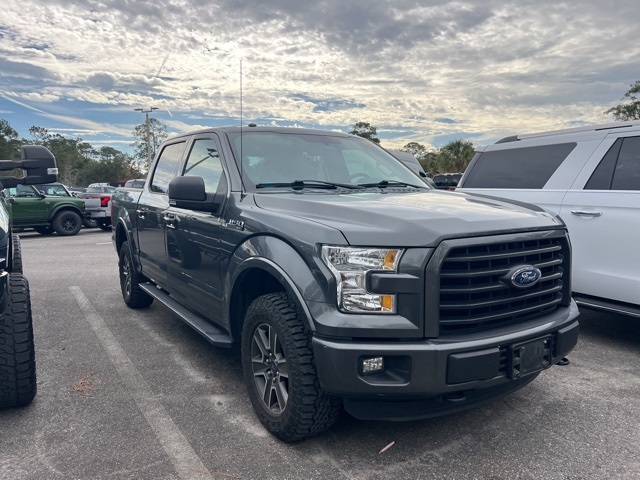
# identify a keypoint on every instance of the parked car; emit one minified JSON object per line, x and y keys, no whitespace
{"x":447,"y":181}
{"x":412,"y":162}
{"x":97,"y":199}
{"x":17,"y":348}
{"x":134,"y":183}
{"x":76,"y":190}
{"x":44,"y":213}
{"x":590,"y":176}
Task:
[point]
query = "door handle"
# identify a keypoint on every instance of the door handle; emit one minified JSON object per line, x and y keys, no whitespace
{"x":587,"y":213}
{"x":141,"y":213}
{"x":170,"y":220}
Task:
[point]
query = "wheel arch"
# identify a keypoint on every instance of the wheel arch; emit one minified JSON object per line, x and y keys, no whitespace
{"x":62,"y":208}
{"x":267,"y":265}
{"x":122,"y":234}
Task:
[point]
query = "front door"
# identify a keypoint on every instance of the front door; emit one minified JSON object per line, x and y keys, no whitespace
{"x":604,"y":214}
{"x":193,"y":237}
{"x":29,"y":206}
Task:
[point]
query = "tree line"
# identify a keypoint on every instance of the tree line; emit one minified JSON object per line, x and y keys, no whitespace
{"x":79,"y":163}
{"x":452,"y":157}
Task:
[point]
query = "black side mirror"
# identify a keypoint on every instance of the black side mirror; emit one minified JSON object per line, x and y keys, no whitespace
{"x":39,"y":165}
{"x":189,"y":192}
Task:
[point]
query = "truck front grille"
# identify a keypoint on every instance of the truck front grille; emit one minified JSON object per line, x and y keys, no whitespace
{"x":474,"y":295}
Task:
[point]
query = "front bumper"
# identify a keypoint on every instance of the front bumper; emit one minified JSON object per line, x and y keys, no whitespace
{"x":441,"y":374}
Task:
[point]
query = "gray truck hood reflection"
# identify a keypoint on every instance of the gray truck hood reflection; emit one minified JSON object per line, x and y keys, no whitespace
{"x":408,"y":219}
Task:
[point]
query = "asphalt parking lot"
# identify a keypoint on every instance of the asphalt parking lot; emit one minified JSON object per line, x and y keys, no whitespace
{"x":126,"y":394}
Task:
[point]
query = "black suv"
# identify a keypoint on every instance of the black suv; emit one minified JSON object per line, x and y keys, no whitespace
{"x":17,"y":352}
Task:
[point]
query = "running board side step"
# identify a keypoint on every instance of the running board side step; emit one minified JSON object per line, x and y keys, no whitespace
{"x":214,"y":335}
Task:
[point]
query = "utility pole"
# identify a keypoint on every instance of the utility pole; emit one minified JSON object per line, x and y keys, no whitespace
{"x":146,"y":113}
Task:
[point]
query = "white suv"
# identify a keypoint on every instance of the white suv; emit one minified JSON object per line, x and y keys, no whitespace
{"x":590,"y":176}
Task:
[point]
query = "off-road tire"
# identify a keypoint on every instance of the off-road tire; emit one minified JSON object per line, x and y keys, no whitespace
{"x":288,"y":365}
{"x":16,"y":260}
{"x":130,"y":281}
{"x":46,"y":230}
{"x":67,"y":223}
{"x":17,"y":351}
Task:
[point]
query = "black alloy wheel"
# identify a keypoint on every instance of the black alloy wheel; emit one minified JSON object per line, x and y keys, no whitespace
{"x":280,"y":372}
{"x":130,"y":281}
{"x":270,"y":369}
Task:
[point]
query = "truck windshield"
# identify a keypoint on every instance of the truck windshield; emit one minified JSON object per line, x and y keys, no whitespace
{"x":270,"y":158}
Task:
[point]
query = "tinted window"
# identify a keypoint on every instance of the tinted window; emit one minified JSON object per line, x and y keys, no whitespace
{"x":23,"y":191}
{"x":627,"y":173}
{"x":447,"y":180}
{"x":528,"y":167}
{"x":166,"y":167}
{"x":603,"y":174}
{"x":204,"y":161}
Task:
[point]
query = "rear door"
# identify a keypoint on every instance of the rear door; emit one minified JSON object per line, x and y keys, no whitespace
{"x":602,"y":212}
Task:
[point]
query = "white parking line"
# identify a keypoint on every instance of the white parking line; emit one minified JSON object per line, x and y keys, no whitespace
{"x":187,"y":464}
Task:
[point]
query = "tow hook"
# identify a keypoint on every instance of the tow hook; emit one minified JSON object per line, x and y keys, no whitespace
{"x":563,"y":362}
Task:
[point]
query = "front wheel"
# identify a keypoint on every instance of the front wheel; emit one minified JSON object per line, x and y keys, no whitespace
{"x":67,"y":223}
{"x":130,"y":281}
{"x":280,"y":371}
{"x":17,"y":353}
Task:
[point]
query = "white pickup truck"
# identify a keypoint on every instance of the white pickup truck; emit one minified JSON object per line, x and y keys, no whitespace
{"x":97,"y":204}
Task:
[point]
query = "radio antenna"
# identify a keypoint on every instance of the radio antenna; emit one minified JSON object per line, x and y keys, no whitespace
{"x":242,"y":192}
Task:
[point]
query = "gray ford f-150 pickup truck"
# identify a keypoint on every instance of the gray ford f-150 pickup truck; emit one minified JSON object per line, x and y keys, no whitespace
{"x":343,"y":277}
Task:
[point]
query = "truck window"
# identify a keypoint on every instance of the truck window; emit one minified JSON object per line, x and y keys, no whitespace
{"x":23,"y":191}
{"x":626,"y":176}
{"x":602,"y":175}
{"x":528,"y":167}
{"x":167,"y":167}
{"x":204,"y":161}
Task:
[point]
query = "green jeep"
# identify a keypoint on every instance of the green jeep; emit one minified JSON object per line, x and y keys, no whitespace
{"x":31,"y":207}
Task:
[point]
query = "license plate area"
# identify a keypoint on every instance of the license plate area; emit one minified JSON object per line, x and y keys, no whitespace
{"x":529,"y":357}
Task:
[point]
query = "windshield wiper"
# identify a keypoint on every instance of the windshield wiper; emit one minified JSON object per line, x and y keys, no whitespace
{"x":388,"y":183}
{"x":300,"y":184}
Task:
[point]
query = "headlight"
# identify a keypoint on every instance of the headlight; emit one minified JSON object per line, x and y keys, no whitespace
{"x":350,"y":265}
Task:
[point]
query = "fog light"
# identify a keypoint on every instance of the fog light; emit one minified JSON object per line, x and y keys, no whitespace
{"x":372,"y":365}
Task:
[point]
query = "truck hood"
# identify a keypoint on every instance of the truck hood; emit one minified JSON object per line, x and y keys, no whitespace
{"x":410,"y":219}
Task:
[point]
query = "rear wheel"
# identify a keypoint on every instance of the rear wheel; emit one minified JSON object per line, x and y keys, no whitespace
{"x":67,"y":223}
{"x":130,"y":281}
{"x":280,"y":371}
{"x":17,"y":355}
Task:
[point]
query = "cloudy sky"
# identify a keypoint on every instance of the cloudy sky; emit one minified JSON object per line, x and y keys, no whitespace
{"x":424,"y":71}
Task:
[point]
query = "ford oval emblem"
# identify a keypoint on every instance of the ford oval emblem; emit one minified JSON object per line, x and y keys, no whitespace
{"x":526,"y":276}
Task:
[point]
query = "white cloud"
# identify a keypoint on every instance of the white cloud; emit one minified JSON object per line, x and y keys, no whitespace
{"x":494,"y":69}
